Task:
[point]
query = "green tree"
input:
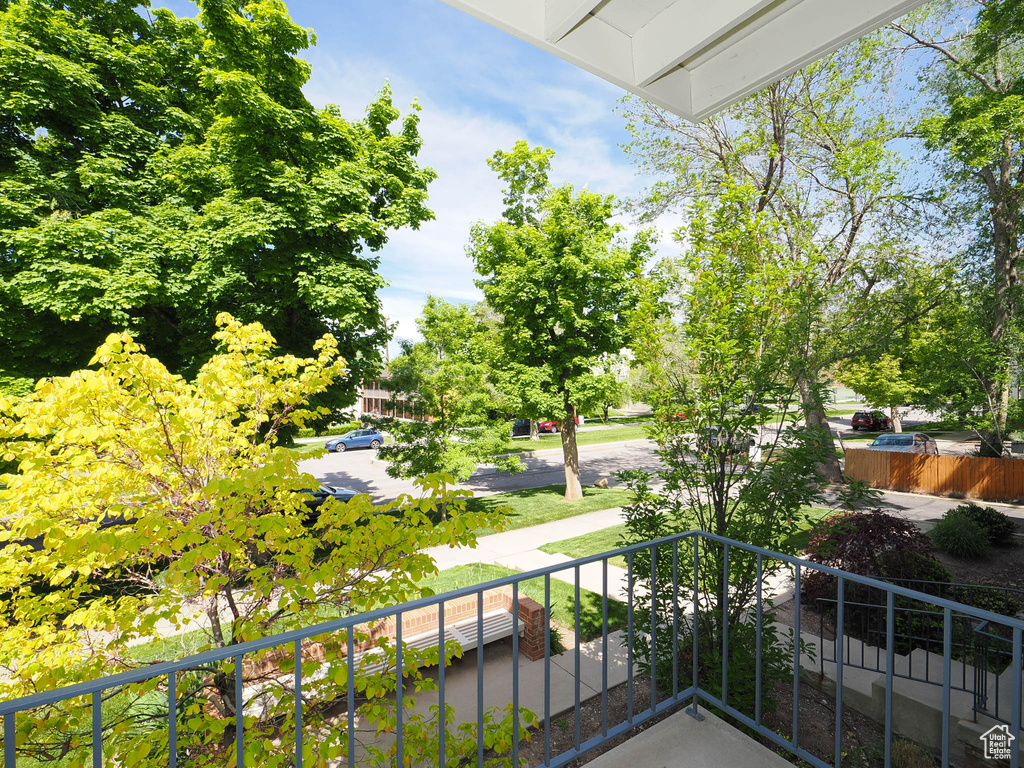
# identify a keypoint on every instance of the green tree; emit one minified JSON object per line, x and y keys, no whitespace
{"x":735,"y":322}
{"x":609,"y":387}
{"x":884,"y":381}
{"x":445,"y":377}
{"x":523,"y":391}
{"x":157,"y":170}
{"x":142,"y":501}
{"x":821,"y":147}
{"x":974,"y":81}
{"x":563,"y":286}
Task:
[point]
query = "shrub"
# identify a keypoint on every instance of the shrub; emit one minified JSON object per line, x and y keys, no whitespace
{"x":960,"y":536}
{"x":999,"y":527}
{"x":858,"y":541}
{"x":908,"y":755}
{"x":869,"y":544}
{"x":337,"y":429}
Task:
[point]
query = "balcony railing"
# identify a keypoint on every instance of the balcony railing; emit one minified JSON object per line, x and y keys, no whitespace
{"x":679,"y":652}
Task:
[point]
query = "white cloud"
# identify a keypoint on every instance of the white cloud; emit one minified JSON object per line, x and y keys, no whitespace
{"x":480,"y":91}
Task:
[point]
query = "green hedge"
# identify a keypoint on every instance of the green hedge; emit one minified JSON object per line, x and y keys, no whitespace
{"x":337,"y":429}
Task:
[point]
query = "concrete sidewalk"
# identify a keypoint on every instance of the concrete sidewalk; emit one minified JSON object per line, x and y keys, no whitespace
{"x":518,"y":549}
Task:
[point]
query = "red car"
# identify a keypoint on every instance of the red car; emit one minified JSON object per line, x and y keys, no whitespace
{"x":872,"y":421}
{"x":553,"y":426}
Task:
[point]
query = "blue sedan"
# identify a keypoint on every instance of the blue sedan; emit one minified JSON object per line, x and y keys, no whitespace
{"x":358,"y":438}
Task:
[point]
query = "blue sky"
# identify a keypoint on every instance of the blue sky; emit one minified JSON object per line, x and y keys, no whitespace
{"x":480,"y":90}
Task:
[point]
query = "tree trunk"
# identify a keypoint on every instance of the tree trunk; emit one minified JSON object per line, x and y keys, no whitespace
{"x":814,"y":416}
{"x":897,"y":420}
{"x":1005,"y":212}
{"x":573,"y":486}
{"x":534,"y":430}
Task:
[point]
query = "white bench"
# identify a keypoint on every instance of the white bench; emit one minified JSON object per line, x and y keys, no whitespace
{"x":497,"y":625}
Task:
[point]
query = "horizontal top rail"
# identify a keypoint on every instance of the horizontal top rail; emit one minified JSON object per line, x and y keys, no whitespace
{"x":215,"y":655}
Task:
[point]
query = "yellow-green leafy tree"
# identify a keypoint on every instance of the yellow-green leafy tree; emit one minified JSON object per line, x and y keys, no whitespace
{"x":150,"y":516}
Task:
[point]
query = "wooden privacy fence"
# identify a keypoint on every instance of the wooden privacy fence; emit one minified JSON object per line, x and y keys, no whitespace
{"x":959,"y":476}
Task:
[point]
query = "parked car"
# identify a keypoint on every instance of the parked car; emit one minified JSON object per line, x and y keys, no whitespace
{"x":907,"y":442}
{"x":753,"y":408}
{"x":873,"y":421}
{"x":520,"y":427}
{"x":553,"y":426}
{"x":357,"y":438}
{"x":317,"y":496}
{"x":715,"y":439}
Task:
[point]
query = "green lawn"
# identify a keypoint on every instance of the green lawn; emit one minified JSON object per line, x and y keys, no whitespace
{"x":533,"y":506}
{"x":307,"y":450}
{"x":590,"y":544}
{"x":608,"y":539}
{"x":617,"y":435}
{"x":563,"y":602}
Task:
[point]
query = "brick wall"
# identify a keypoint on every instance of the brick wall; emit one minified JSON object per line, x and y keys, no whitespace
{"x":416,"y":622}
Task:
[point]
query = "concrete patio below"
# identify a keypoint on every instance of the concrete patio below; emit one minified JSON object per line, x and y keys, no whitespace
{"x":680,"y":741}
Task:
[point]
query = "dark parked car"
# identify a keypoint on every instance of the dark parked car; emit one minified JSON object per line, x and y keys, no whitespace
{"x":357,"y":438}
{"x":872,"y":421}
{"x":319,"y":495}
{"x":908,"y":442}
{"x":520,"y":427}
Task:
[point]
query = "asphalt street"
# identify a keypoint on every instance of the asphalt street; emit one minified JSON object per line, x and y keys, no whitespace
{"x":361,"y":471}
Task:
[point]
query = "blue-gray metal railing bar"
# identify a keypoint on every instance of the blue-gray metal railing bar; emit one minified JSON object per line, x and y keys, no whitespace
{"x":400,"y":690}
{"x":890,"y":659}
{"x":629,"y":637}
{"x":759,"y":613}
{"x":693,"y":709}
{"x":480,"y":677}
{"x":796,"y":658}
{"x":654,"y":624}
{"x":725,"y":624}
{"x":239,"y":711}
{"x":515,"y":672}
{"x":604,"y":649}
{"x":675,"y":618}
{"x":947,"y":653}
{"x":9,"y":739}
{"x":335,"y":625}
{"x":97,"y":731}
{"x":547,"y":671}
{"x":351,"y":658}
{"x":1016,"y":693}
{"x":442,"y":663}
{"x":840,"y":621}
{"x":578,"y":642}
{"x":172,"y":723}
{"x":298,"y":703}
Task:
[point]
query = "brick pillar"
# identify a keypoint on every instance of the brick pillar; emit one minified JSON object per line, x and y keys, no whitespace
{"x":531,"y":613}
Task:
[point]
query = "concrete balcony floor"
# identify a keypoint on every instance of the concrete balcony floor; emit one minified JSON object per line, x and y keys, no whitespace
{"x":680,"y":741}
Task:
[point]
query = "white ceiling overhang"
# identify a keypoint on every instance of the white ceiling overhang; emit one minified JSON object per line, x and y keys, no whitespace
{"x":692,"y":57}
